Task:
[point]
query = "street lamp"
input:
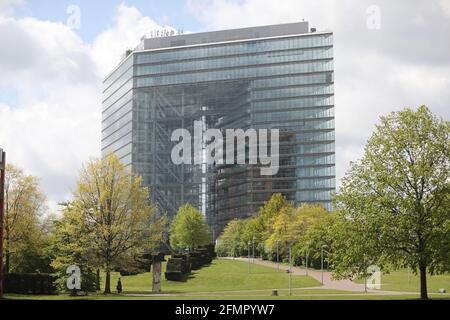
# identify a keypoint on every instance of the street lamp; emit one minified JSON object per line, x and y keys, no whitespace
{"x":290,"y":270}
{"x":249,"y":243}
{"x":2,"y":207}
{"x":306,"y":261}
{"x":278,"y":261}
{"x":253,"y":249}
{"x":321,"y":258}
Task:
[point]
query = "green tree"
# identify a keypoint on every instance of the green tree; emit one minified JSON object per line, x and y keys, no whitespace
{"x":319,"y":231}
{"x":231,"y":241}
{"x":286,"y":226}
{"x":260,"y":227}
{"x":24,"y":238}
{"x":354,"y":248}
{"x":70,"y":245}
{"x":397,"y":196}
{"x":257,"y":229}
{"x":115,"y":213}
{"x":189,"y":229}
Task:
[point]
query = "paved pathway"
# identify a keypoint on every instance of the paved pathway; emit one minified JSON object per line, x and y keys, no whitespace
{"x":328,"y":282}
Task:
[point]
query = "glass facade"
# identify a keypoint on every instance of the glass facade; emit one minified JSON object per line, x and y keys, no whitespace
{"x":283,"y":83}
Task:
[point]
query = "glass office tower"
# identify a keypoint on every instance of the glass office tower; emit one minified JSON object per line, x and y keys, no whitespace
{"x":278,"y":77}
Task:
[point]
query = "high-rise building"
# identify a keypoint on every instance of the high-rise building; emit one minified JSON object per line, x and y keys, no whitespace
{"x":278,"y":76}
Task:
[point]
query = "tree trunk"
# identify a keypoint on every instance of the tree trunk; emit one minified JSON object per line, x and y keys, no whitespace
{"x":98,"y":280}
{"x":423,"y":282}
{"x":108,"y":281}
{"x":6,"y":250}
{"x":7,"y":261}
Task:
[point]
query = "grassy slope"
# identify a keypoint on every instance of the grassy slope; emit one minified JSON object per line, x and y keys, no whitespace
{"x":313,"y":296}
{"x":221,"y":275}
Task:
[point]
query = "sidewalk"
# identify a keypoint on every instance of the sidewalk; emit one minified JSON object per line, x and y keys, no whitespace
{"x":328,"y":282}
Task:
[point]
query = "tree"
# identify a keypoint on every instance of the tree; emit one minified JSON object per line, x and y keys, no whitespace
{"x":23,"y":235}
{"x":286,"y":226}
{"x":189,"y":229}
{"x":354,"y":248}
{"x":230,"y":241}
{"x":319,"y":231}
{"x":70,"y":245}
{"x":260,"y":227}
{"x":397,"y":196}
{"x":257,"y":229}
{"x":115,"y":212}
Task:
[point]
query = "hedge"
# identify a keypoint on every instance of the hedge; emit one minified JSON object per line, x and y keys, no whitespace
{"x":180,"y":265}
{"x":29,"y":283}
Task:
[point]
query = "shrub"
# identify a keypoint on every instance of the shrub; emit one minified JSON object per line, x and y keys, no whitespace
{"x":89,"y":279}
{"x":176,"y":269}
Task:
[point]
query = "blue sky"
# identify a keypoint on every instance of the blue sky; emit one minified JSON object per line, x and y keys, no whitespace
{"x":98,"y":15}
{"x":51,"y":75}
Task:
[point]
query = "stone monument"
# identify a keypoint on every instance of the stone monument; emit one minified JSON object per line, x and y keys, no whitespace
{"x":157,"y":260}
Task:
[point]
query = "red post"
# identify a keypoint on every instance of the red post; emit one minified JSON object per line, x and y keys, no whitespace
{"x":2,"y":208}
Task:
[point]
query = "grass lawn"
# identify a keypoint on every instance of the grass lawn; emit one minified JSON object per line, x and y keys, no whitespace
{"x":230,"y":279}
{"x":398,"y":281}
{"x":316,"y":295}
{"x":221,"y":275}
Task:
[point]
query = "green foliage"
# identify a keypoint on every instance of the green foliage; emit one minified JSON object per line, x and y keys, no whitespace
{"x":70,"y":245}
{"x":231,"y":242}
{"x":108,"y":224}
{"x":319,"y":232}
{"x":290,"y":225}
{"x":24,"y":234}
{"x":278,"y":225}
{"x":395,"y":200}
{"x":259,"y":228}
{"x":189,"y":229}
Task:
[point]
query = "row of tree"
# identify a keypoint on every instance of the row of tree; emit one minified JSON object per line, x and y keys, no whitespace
{"x":108,"y":225}
{"x":392,"y":210}
{"x":279,"y":229}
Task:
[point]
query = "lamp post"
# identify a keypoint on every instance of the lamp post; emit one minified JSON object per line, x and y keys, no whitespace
{"x":249,"y":243}
{"x":278,"y":261}
{"x":409,"y":276}
{"x":306,"y":261}
{"x":321,"y":258}
{"x":253,"y":249}
{"x":2,"y":207}
{"x":290,"y":270}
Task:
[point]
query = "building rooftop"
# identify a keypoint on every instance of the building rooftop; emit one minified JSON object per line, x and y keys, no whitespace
{"x":223,"y":36}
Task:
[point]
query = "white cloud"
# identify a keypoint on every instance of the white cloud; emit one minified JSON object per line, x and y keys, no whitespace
{"x":54,"y":124}
{"x":445,"y":6}
{"x":7,"y":7}
{"x":129,"y":26}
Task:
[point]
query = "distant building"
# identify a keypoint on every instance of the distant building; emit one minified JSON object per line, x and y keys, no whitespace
{"x":278,"y":76}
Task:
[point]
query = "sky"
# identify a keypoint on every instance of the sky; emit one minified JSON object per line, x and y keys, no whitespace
{"x":54,"y":54}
